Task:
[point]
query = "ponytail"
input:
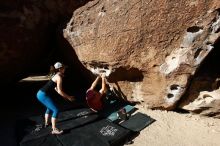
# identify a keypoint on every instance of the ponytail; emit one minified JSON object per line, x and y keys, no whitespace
{"x":52,"y":71}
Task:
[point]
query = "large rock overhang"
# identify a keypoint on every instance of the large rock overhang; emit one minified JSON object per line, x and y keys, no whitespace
{"x":153,"y":47}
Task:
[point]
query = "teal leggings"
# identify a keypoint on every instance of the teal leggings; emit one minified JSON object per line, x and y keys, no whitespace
{"x":47,"y":101}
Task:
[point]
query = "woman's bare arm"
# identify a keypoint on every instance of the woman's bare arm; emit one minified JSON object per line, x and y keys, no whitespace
{"x":104,"y":86}
{"x":94,"y":84}
{"x":59,"y":89}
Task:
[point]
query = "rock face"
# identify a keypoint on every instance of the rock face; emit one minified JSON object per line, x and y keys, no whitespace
{"x":206,"y":104}
{"x":203,"y":94}
{"x":28,"y":35}
{"x":152,"y":47}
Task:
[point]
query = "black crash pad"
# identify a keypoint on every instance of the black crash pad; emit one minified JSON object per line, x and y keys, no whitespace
{"x":102,"y":132}
{"x":137,"y":122}
{"x":75,"y":113}
{"x":82,"y":127}
{"x":70,"y":119}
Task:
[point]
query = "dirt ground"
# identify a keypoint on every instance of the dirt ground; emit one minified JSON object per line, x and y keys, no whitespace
{"x":178,"y":129}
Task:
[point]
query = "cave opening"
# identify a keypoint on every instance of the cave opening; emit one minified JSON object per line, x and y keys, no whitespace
{"x":21,"y":99}
{"x":209,"y":70}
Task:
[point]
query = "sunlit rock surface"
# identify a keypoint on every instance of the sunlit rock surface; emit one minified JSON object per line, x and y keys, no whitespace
{"x":152,"y":47}
{"x":207,"y":103}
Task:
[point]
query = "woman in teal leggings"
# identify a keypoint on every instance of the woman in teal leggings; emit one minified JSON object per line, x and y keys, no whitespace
{"x":43,"y":95}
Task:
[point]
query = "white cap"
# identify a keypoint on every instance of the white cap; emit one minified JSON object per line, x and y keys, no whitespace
{"x":58,"y":65}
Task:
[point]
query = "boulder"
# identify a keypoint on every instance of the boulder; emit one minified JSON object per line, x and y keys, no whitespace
{"x":153,"y":48}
